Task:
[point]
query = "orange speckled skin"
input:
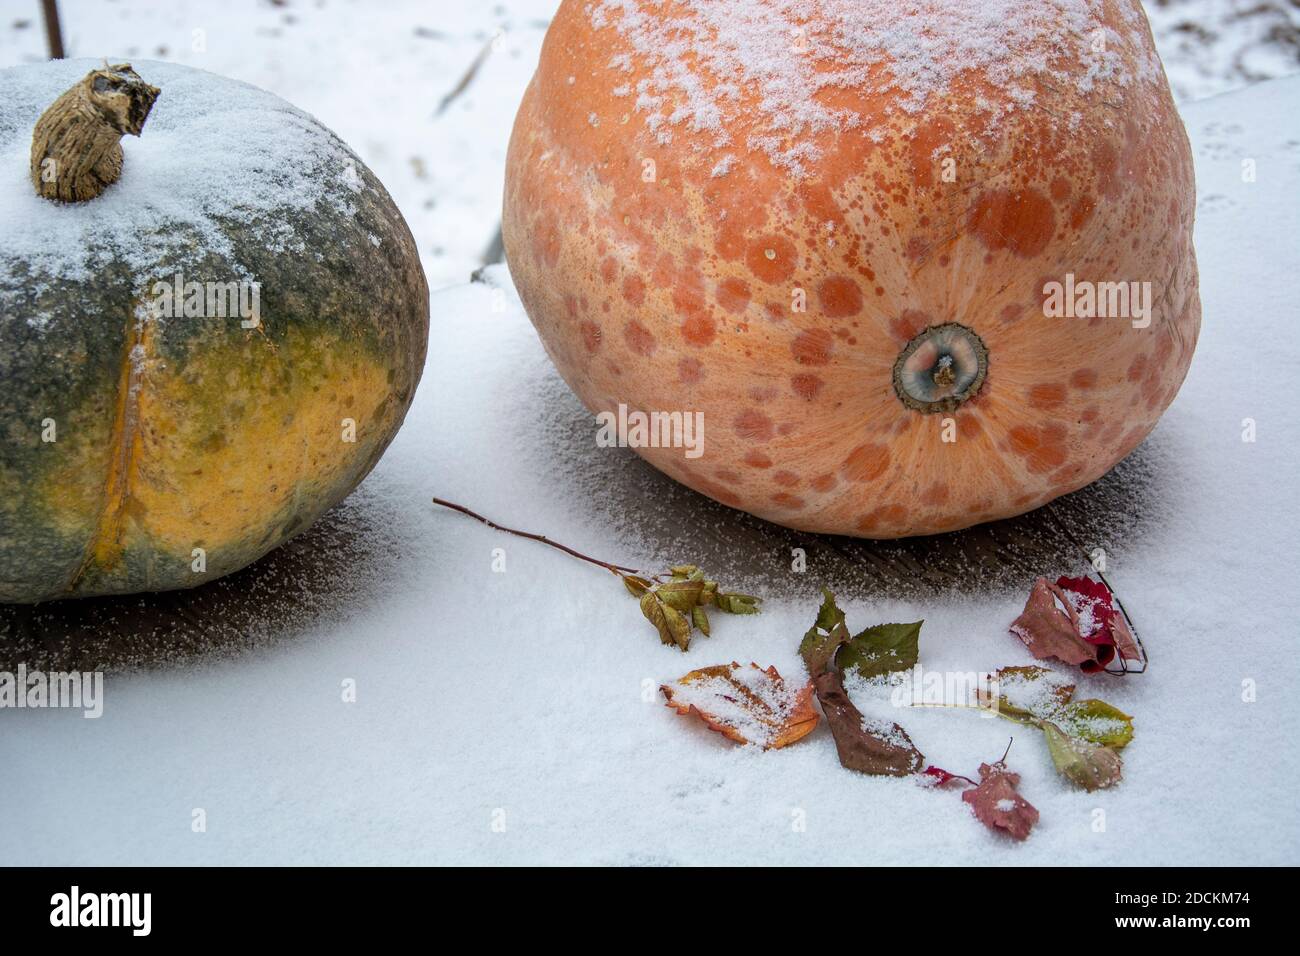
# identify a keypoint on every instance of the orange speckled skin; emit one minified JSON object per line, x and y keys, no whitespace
{"x":677,"y":294}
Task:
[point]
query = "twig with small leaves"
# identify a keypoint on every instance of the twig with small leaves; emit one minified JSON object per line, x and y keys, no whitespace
{"x":674,"y":601}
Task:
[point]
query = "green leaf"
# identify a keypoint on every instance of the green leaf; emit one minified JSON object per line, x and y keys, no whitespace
{"x":829,"y":614}
{"x":636,"y":585}
{"x":1032,"y":695}
{"x":678,"y":626}
{"x":872,"y":750}
{"x":1097,"y":722}
{"x":736,"y":603}
{"x":700,"y":620}
{"x":675,"y":602}
{"x":681,"y":595}
{"x":825,"y":637}
{"x":882,"y":649}
{"x":653,"y":610}
{"x":672,"y":625}
{"x":1085,"y":764}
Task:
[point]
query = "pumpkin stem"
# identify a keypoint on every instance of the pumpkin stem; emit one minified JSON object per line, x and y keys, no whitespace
{"x":940,"y":368}
{"x":76,"y":148}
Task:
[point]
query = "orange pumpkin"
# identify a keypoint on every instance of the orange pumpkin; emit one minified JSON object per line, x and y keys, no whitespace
{"x":919,"y":265}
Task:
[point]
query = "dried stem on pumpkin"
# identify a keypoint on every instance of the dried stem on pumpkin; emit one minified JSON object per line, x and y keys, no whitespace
{"x":76,"y":144}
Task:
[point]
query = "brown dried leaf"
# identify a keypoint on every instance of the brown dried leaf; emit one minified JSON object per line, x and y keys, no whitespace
{"x":887,"y":751}
{"x":881,"y":750}
{"x":745,"y":703}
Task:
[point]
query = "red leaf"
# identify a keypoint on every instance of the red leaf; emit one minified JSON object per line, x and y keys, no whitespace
{"x":1075,"y":620}
{"x":1052,"y":630}
{"x":1092,"y":600}
{"x":997,"y":804}
{"x":943,"y":777}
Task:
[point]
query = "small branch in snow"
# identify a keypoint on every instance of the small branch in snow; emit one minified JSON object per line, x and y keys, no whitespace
{"x":612,"y":568}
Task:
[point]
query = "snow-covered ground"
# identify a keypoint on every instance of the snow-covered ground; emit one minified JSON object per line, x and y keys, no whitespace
{"x":378,"y":75}
{"x":512,"y":717}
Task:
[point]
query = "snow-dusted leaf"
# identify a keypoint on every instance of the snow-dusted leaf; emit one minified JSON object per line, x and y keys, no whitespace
{"x":881,"y":649}
{"x":1091,"y":601}
{"x":1031,"y":695}
{"x":746,"y":704}
{"x":882,"y":748}
{"x":1027,"y":691}
{"x":1086,"y":764}
{"x":1096,"y":722}
{"x":1050,"y":626}
{"x":998,"y":805}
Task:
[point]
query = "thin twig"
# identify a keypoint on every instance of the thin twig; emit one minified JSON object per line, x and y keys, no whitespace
{"x":469,"y":75}
{"x":53,"y":32}
{"x":617,"y":569}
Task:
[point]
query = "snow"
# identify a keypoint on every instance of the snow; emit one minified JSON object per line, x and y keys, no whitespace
{"x":1211,"y":46}
{"x":515,"y":717}
{"x":708,"y":63}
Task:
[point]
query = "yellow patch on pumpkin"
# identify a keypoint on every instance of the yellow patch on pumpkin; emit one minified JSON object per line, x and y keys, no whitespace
{"x":226,"y":450}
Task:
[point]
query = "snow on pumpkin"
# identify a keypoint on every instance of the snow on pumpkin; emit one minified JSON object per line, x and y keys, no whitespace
{"x":207,"y":338}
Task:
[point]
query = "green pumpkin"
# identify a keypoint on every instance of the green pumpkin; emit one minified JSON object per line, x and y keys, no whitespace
{"x":207,"y":353}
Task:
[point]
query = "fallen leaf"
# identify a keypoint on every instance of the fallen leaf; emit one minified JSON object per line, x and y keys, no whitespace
{"x":734,"y":603}
{"x":746,"y":704}
{"x":1086,"y":764}
{"x":673,"y":627}
{"x":1096,"y":722}
{"x":1125,"y":643}
{"x":682,"y":594}
{"x":1028,"y":691}
{"x":1092,"y":603}
{"x":883,"y":749}
{"x":882,"y":649}
{"x":635,"y":584}
{"x":1031,"y":695}
{"x":675,"y":602}
{"x":942,"y":777}
{"x":998,"y":805}
{"x":1050,"y":626}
